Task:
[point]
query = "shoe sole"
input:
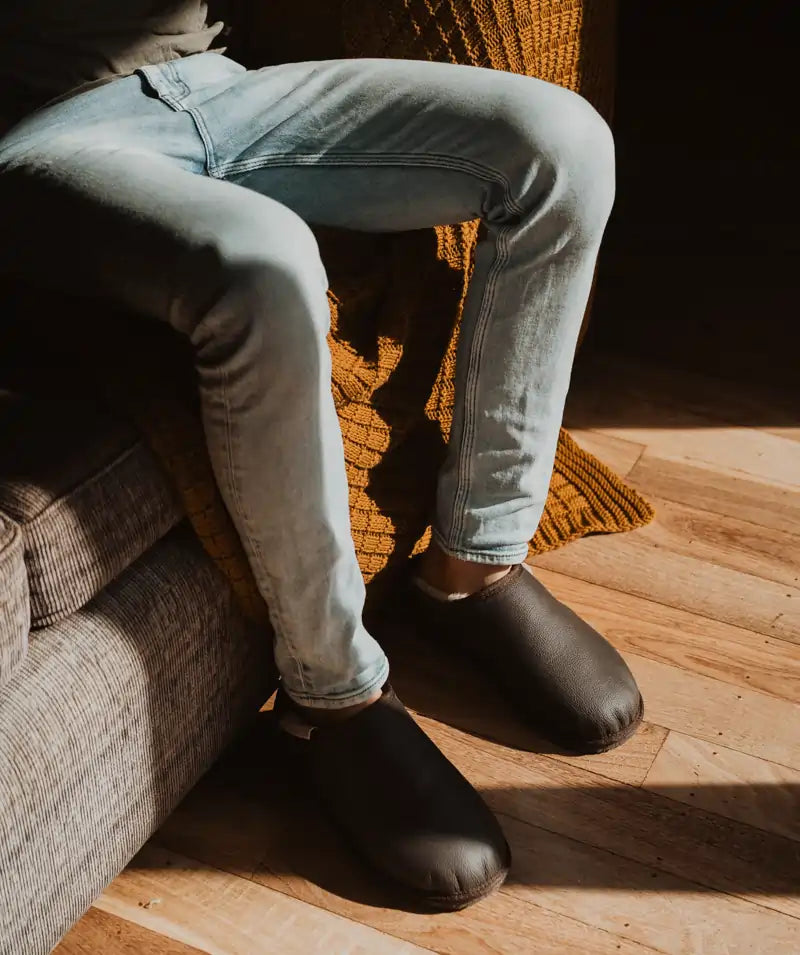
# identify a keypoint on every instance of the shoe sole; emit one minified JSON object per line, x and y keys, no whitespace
{"x":595,"y":747}
{"x":455,"y":903}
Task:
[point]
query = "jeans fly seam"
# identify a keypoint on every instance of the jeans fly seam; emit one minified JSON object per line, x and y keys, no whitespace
{"x":208,"y":143}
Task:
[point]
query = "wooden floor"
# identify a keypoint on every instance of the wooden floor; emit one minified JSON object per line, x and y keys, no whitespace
{"x":685,"y":840}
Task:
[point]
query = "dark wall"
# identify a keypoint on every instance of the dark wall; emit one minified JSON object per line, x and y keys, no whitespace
{"x":701,"y":264}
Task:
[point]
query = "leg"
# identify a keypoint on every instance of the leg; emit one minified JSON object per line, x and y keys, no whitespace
{"x":240,"y":275}
{"x":393,"y":145}
{"x":117,"y":207}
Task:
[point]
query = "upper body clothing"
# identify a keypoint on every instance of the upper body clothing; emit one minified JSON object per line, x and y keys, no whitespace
{"x":52,"y":49}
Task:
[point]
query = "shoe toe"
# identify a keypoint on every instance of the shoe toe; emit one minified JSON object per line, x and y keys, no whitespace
{"x":449,"y":870}
{"x":607,"y":715}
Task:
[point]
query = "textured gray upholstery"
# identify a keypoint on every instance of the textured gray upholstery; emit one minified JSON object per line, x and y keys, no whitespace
{"x":115,"y":712}
{"x":88,"y":495}
{"x":15,"y":614}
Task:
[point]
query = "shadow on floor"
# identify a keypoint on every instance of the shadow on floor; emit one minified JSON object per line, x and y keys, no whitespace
{"x":248,"y":817}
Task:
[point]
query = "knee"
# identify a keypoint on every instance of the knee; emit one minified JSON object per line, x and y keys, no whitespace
{"x":261,"y":284}
{"x":566,"y":150}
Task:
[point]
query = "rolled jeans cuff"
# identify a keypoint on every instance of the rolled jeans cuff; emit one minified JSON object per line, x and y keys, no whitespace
{"x":359,"y":690}
{"x":514,"y":554}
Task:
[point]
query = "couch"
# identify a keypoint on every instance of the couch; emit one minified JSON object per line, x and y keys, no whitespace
{"x":125,"y":664}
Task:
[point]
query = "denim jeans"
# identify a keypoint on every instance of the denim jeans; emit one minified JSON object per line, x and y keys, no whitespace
{"x":185,"y":191}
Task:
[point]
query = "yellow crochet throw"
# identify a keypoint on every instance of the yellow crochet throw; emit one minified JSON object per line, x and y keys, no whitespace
{"x":396,"y":299}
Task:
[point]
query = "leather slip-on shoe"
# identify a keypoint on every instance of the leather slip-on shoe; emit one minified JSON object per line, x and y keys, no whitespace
{"x":563,"y":678}
{"x":400,"y":802}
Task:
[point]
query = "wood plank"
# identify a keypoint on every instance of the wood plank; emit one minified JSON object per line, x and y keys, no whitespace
{"x":732,"y":784}
{"x":708,"y":489}
{"x":504,"y":923}
{"x":647,"y":828}
{"x":628,"y":763}
{"x":630,"y":563}
{"x":791,"y":434}
{"x":228,"y":817}
{"x":756,"y":454}
{"x":221,"y":914}
{"x":102,"y":932}
{"x":682,"y":639}
{"x":640,"y":903}
{"x":725,"y":541}
{"x":683,"y":417}
{"x":621,"y":456}
{"x":691,"y":844}
{"x":741,"y":719}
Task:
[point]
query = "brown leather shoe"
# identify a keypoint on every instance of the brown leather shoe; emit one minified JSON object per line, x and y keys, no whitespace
{"x":402,"y":805}
{"x":561,"y":675}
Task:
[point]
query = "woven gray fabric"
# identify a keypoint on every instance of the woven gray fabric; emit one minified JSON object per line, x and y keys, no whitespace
{"x":88,"y":494}
{"x":114,"y":714}
{"x":15,"y":615}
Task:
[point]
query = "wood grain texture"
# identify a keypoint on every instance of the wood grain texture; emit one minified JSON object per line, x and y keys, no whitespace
{"x":302,"y":856}
{"x":224,"y":915}
{"x":635,"y":564}
{"x":725,"y":541}
{"x":639,"y":902}
{"x":730,"y":495}
{"x":689,"y":419}
{"x":555,"y":873}
{"x":686,"y":640}
{"x":562,"y":896}
{"x":720,"y":780}
{"x":506,"y":923}
{"x":626,"y":764}
{"x":741,"y":719}
{"x":732,"y":451}
{"x":100,"y":932}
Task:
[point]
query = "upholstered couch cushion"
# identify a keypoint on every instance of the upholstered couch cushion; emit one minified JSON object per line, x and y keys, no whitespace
{"x":87,"y":494}
{"x":15,"y":612}
{"x":115,"y":712}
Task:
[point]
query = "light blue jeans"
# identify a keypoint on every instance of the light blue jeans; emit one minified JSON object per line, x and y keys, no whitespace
{"x":184,"y":191}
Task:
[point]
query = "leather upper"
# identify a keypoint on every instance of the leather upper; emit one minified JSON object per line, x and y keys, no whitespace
{"x":554,"y":667}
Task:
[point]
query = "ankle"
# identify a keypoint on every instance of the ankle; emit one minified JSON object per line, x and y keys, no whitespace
{"x":451,"y":575}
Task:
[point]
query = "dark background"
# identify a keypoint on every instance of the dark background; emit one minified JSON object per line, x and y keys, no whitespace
{"x":701,"y":264}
